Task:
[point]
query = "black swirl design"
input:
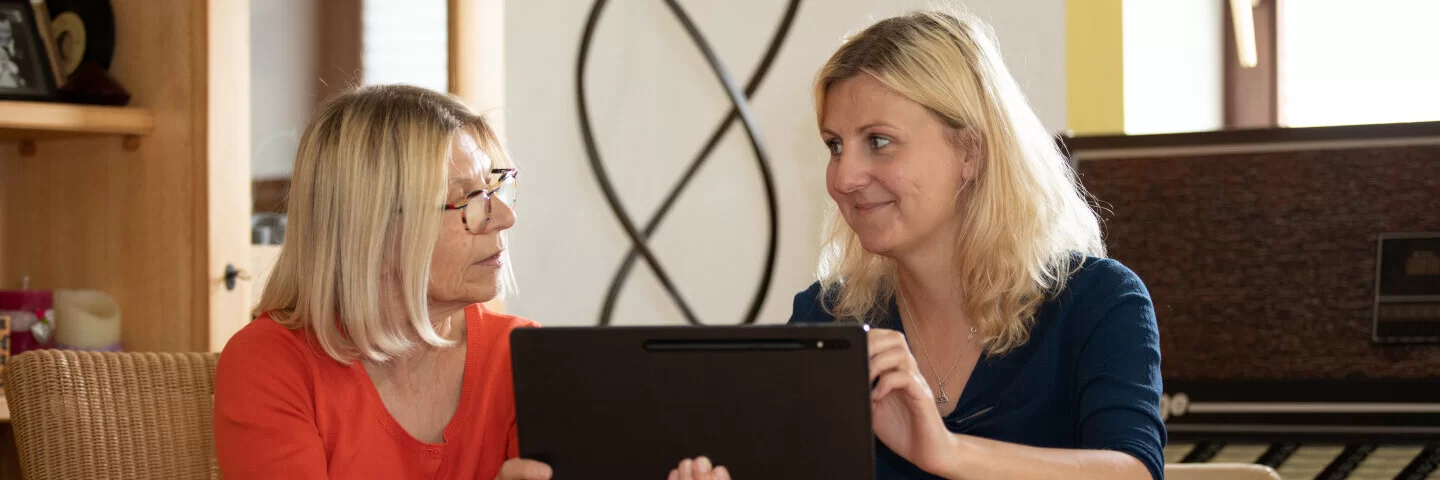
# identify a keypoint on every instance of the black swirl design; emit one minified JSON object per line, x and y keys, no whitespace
{"x":739,"y":109}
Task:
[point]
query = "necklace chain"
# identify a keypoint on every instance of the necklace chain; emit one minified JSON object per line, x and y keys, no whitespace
{"x":941,"y":398}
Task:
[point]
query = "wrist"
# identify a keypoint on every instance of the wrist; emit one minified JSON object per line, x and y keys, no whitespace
{"x":961,"y":451}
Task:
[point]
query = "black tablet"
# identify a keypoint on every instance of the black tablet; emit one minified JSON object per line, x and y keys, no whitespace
{"x":767,"y":402}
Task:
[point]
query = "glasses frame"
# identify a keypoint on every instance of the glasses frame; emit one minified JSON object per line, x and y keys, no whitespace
{"x":486,"y":194}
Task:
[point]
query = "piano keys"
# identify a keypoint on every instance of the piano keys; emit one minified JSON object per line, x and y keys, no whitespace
{"x":1320,"y":461}
{"x":1308,"y":461}
{"x":1330,"y":430}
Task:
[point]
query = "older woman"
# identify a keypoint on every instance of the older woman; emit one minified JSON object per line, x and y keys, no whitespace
{"x":372,"y":356}
{"x":1008,"y":346}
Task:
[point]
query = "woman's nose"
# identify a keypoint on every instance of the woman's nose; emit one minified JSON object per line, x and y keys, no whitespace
{"x":502,"y":217}
{"x":849,"y":174}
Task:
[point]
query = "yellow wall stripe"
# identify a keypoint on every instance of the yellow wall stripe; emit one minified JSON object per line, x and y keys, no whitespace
{"x":1094,"y":67}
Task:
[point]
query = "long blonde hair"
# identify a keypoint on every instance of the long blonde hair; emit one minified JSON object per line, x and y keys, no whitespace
{"x":1025,"y":219}
{"x":363,"y":211}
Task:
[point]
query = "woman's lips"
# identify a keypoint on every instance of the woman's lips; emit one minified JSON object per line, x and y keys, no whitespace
{"x":868,"y":207}
{"x":493,"y":260}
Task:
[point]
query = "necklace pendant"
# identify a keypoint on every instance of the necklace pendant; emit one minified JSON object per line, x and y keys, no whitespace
{"x":942,"y":398}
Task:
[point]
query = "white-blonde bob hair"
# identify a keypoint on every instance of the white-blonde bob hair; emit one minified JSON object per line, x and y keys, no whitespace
{"x":1025,"y":221}
{"x":363,"y":217}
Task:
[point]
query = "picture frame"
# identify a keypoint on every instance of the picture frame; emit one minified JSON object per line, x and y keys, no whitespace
{"x":27,"y":55}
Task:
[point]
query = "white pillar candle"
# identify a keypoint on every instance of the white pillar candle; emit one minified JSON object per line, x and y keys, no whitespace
{"x":86,"y":320}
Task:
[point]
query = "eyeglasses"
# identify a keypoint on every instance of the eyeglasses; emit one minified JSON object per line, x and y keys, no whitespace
{"x":477,"y":204}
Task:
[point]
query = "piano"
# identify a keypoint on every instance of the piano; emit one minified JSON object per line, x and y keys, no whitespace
{"x":1324,"y":430}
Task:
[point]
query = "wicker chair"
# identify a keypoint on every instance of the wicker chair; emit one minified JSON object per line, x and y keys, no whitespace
{"x":113,"y":415}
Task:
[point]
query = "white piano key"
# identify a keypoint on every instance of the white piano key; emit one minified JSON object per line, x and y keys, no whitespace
{"x":1174,"y":453}
{"x":1240,"y":453}
{"x":1308,"y":461}
{"x":1385,"y":462}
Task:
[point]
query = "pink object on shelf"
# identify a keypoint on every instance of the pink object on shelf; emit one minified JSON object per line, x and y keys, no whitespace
{"x":32,"y":317}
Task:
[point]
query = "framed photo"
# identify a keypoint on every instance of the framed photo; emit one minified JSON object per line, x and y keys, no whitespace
{"x":27,"y":68}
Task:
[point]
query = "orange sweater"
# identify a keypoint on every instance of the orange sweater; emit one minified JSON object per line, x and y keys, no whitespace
{"x":285,"y":409}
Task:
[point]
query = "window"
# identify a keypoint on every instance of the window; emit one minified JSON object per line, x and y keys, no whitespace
{"x":405,"y":42}
{"x":1344,"y":62}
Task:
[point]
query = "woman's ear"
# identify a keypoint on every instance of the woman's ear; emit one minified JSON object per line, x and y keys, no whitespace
{"x":970,"y":150}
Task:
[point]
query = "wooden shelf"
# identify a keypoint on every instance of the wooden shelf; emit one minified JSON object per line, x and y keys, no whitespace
{"x":39,"y":120}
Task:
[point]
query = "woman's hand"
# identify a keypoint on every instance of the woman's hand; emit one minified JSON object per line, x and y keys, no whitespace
{"x":902,"y":405}
{"x":698,"y":469}
{"x":522,"y":469}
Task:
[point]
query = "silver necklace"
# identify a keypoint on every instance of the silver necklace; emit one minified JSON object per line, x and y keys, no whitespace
{"x":941,"y":398}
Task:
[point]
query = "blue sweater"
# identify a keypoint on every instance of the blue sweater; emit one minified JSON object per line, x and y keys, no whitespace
{"x":1089,"y":377}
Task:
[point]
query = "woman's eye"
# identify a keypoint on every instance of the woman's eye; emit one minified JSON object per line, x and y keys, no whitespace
{"x":879,"y":142}
{"x":835,"y":147}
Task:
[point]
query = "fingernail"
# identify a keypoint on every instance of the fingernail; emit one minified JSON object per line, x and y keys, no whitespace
{"x":721,"y":473}
{"x":686,"y":464}
{"x":702,"y":465}
{"x":674,"y":475}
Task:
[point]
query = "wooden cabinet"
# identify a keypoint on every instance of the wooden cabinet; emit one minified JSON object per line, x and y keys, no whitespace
{"x":148,"y":202}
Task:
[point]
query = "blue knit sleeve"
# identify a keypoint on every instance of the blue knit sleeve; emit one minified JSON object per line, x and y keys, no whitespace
{"x":1118,"y":366}
{"x":808,"y":308}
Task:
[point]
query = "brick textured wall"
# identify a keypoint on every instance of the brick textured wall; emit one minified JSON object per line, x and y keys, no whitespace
{"x":1262,"y":265}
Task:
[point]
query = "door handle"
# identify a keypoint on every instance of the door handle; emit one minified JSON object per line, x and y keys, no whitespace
{"x":231,"y":274}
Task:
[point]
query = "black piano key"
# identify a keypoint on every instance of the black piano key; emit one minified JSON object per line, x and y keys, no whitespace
{"x":1345,"y":462}
{"x":1203,"y":452}
{"x":1277,"y":454}
{"x":1424,"y":464}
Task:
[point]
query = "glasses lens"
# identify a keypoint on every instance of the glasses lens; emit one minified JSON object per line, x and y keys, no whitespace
{"x":476,"y":213}
{"x":505,"y":192}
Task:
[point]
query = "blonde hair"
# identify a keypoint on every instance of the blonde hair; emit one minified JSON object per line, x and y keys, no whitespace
{"x":1025,"y":219}
{"x":364,"y":210}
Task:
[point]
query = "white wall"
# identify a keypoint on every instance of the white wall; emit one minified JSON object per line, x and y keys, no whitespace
{"x":653,"y":102}
{"x":1174,"y":66}
{"x":282,"y":88}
